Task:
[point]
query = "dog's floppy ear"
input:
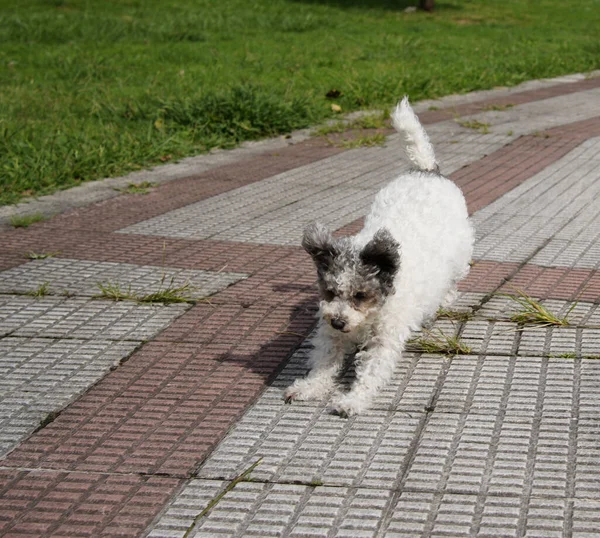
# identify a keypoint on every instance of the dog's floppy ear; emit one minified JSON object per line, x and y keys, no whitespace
{"x":319,"y":243}
{"x":382,"y":253}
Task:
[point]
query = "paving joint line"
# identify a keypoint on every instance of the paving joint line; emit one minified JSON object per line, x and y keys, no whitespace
{"x":493,"y":449}
{"x":12,"y":334}
{"x":387,"y":513}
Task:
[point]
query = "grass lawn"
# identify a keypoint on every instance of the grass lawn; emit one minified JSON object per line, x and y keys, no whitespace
{"x":90,"y":89}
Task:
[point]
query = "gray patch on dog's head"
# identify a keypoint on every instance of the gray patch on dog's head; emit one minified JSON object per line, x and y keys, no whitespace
{"x":382,"y":255}
{"x":363,"y":278}
{"x":319,"y":243}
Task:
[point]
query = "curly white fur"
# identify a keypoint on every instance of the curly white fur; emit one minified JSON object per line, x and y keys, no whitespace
{"x":426,"y":215}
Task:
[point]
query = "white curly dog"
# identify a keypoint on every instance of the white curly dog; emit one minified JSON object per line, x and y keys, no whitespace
{"x":381,"y":284}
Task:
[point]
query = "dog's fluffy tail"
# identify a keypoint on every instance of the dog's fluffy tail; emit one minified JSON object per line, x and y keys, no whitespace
{"x":418,"y":147}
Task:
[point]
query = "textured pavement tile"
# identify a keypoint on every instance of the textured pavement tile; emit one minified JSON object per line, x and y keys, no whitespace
{"x":39,"y":377}
{"x":42,"y":503}
{"x":531,"y":117}
{"x":522,"y":221}
{"x":57,"y":317}
{"x":81,"y":277}
{"x":304,"y":440}
{"x":425,"y":515}
{"x":261,"y":510}
{"x":339,"y":189}
{"x":336,"y":191}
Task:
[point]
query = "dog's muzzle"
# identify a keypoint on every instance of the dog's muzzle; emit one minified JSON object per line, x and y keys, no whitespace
{"x":338,"y":324}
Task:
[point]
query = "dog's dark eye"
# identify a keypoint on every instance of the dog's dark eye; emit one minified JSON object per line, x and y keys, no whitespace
{"x":360,"y":296}
{"x":328,"y":295}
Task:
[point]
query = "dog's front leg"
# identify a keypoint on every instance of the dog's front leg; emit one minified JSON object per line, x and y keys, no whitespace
{"x":374,"y":368}
{"x":326,"y":360}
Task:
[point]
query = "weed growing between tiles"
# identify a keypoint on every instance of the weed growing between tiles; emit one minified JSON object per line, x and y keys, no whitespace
{"x":498,"y":108}
{"x":41,"y":291}
{"x":24,"y":221}
{"x":363,"y":142}
{"x":41,"y":255}
{"x":243,"y":477}
{"x":481,"y":127}
{"x":534,"y":313}
{"x":438,"y":342}
{"x":454,"y":315}
{"x":169,"y":294}
{"x":378,"y":120}
{"x":138,"y":188}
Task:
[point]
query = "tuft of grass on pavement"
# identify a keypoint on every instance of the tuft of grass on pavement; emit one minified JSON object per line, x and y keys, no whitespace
{"x":438,"y":342}
{"x":165,"y":294}
{"x":483,"y":128}
{"x":41,"y":291}
{"x":534,"y":313}
{"x":499,"y":108}
{"x":362,"y":141}
{"x":169,"y":294}
{"x":24,"y":221}
{"x":40,"y":255}
{"x":113,"y":292}
{"x":454,"y":315}
{"x":98,"y":89}
{"x":138,"y":188}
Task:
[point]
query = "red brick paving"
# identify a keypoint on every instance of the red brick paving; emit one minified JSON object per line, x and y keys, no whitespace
{"x":70,"y":505}
{"x":556,"y":283}
{"x":167,"y":406}
{"x":117,"y":213}
{"x":164,"y":409}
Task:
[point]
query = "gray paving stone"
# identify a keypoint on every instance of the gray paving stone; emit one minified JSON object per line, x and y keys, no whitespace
{"x":339,"y":189}
{"x":499,"y":442}
{"x":336,"y":191}
{"x":288,"y":510}
{"x":39,"y":377}
{"x":58,"y":317}
{"x":81,"y":277}
{"x":555,"y":205}
{"x":255,"y":509}
{"x":532,"y":117}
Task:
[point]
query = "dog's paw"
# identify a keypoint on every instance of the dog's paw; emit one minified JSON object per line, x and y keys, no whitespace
{"x":303,"y":389}
{"x":346,"y":406}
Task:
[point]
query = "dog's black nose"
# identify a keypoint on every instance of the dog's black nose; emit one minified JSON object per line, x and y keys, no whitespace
{"x":338,"y":324}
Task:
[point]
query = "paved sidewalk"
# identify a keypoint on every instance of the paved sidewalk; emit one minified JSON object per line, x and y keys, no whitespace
{"x":130,"y":419}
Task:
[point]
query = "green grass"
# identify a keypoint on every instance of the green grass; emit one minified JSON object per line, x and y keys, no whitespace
{"x":438,"y":342}
{"x":165,"y":294}
{"x":23,"y":221}
{"x":41,"y":291}
{"x":368,"y":121}
{"x":40,"y":255}
{"x":483,"y":128}
{"x":498,"y":108}
{"x":534,"y":313}
{"x":112,"y":291}
{"x":362,"y":141}
{"x":138,"y":188}
{"x":454,"y":315}
{"x":95,"y":89}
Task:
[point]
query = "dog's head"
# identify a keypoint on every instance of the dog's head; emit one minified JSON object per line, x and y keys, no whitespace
{"x":354,"y":282}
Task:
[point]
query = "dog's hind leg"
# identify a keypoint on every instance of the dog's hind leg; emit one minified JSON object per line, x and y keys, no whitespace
{"x":326,"y":361}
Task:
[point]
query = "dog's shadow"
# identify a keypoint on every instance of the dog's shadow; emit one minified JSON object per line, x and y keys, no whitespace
{"x":272,"y":357}
{"x":284,"y":358}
